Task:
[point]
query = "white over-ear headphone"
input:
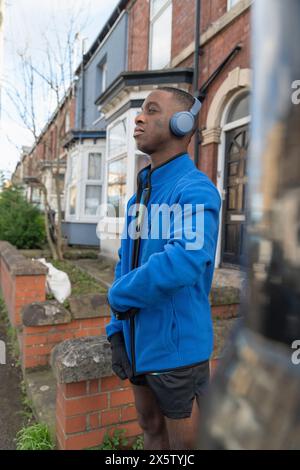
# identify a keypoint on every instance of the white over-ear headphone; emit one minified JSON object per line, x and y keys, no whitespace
{"x":182,"y":123}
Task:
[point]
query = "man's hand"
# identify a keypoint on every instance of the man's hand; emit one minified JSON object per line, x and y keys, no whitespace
{"x":120,"y":362}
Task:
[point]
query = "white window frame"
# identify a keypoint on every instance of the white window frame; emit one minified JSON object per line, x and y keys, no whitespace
{"x":71,"y":181}
{"x":80,"y":180}
{"x":67,"y":121}
{"x":153,"y":18}
{"x":231,"y":4}
{"x":103,"y":68}
{"x":90,"y":182}
{"x":116,"y":157}
{"x":116,"y":224}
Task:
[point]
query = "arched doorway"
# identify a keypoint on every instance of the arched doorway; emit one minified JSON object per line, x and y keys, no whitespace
{"x":234,"y":148}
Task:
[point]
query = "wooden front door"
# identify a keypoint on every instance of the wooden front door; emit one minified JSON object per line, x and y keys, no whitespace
{"x":233,"y":227}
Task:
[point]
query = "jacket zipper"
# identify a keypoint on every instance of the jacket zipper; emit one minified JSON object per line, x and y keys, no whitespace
{"x":136,"y":249}
{"x":144,"y":201}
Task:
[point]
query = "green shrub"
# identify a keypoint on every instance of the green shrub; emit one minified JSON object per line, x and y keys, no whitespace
{"x":139,"y":443}
{"x":21,"y":223}
{"x":115,"y":442}
{"x":36,"y":437}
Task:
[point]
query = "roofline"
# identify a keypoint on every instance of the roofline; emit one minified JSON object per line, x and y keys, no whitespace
{"x":79,"y":134}
{"x":103,"y":33}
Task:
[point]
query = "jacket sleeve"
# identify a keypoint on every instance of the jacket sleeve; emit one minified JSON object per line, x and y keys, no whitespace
{"x":181,"y":262}
{"x":115,"y":326}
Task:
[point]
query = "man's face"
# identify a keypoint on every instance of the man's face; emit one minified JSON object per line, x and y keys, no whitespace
{"x":152,"y":131}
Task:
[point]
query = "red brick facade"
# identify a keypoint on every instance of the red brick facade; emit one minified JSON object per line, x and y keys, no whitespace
{"x":49,"y":145}
{"x":213,"y":51}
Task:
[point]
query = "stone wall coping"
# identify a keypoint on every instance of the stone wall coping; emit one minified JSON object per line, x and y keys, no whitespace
{"x":19,"y":265}
{"x":45,"y":313}
{"x":81,"y":359}
{"x":51,"y":312}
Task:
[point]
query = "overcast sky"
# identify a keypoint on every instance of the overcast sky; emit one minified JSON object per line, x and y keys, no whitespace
{"x":24,"y":23}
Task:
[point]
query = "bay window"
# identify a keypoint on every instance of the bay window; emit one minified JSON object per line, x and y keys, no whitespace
{"x":93,"y":184}
{"x":117,"y":167}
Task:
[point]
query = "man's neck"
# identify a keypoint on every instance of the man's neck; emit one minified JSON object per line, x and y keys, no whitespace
{"x":158,"y":158}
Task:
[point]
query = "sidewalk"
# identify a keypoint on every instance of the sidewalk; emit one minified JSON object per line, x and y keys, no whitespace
{"x":10,"y":399}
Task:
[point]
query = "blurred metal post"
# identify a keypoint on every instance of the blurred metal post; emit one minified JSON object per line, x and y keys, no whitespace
{"x":254,"y":401}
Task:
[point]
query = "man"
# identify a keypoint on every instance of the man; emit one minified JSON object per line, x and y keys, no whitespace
{"x":161,"y":329}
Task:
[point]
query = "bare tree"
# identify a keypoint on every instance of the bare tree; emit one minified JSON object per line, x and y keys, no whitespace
{"x":49,"y":81}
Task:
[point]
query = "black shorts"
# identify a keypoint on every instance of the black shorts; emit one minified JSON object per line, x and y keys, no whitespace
{"x":175,"y":390}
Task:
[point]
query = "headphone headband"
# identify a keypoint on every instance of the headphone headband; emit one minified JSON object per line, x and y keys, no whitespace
{"x":196,"y":107}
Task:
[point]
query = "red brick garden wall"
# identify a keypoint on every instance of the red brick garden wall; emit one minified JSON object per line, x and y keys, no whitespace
{"x":86,"y":410}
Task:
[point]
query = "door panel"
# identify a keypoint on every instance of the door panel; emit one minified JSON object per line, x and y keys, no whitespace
{"x":235,"y":180}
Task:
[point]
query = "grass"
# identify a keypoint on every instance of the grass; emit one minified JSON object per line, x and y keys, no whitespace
{"x":35,"y":437}
{"x":27,"y":411}
{"x":82,"y":283}
{"x":118,"y":441}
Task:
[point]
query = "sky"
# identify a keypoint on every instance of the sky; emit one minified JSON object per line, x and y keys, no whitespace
{"x":25,"y":24}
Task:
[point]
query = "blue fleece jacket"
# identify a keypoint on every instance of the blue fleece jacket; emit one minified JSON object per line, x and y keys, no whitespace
{"x":171,"y":285}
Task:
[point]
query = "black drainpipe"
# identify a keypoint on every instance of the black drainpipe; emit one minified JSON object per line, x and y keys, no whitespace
{"x":196,"y":77}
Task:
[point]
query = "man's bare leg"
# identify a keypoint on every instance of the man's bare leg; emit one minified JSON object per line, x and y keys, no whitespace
{"x":150,"y":419}
{"x":183,"y":433}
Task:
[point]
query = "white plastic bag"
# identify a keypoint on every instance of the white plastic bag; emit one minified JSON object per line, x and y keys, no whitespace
{"x":58,"y":282}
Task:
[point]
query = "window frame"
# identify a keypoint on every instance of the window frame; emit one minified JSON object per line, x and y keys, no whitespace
{"x":152,"y":19}
{"x":116,"y":157}
{"x":231,"y":4}
{"x":72,"y":181}
{"x":79,"y":178}
{"x":91,"y":182}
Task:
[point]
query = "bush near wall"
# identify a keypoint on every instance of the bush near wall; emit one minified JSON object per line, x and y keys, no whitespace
{"x":21,"y":223}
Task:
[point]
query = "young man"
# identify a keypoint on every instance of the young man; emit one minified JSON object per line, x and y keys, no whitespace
{"x":161,"y":329}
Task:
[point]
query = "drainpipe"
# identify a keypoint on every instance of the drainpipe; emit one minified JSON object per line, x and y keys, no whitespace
{"x":196,"y":77}
{"x":82,"y":86}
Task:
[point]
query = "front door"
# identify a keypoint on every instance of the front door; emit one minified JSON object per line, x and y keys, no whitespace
{"x":233,"y":227}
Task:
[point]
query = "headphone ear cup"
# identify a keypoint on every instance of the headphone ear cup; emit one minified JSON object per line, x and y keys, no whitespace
{"x":182,"y":123}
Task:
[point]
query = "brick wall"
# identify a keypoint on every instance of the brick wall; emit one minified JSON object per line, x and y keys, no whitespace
{"x":22,"y":282}
{"x":183,"y":25}
{"x":20,"y":291}
{"x":91,"y":400}
{"x":138,"y":37}
{"x":38,"y":341}
{"x":212,"y":55}
{"x":86,"y":410}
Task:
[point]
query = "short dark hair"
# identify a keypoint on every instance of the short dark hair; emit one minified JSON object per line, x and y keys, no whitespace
{"x":183,"y":97}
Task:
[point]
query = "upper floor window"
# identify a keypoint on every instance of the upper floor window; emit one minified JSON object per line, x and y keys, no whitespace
{"x":160,"y":34}
{"x":102,"y":73}
{"x":67,"y":122}
{"x":231,"y":3}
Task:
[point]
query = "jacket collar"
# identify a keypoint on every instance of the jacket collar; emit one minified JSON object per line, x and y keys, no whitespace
{"x":170,"y":170}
